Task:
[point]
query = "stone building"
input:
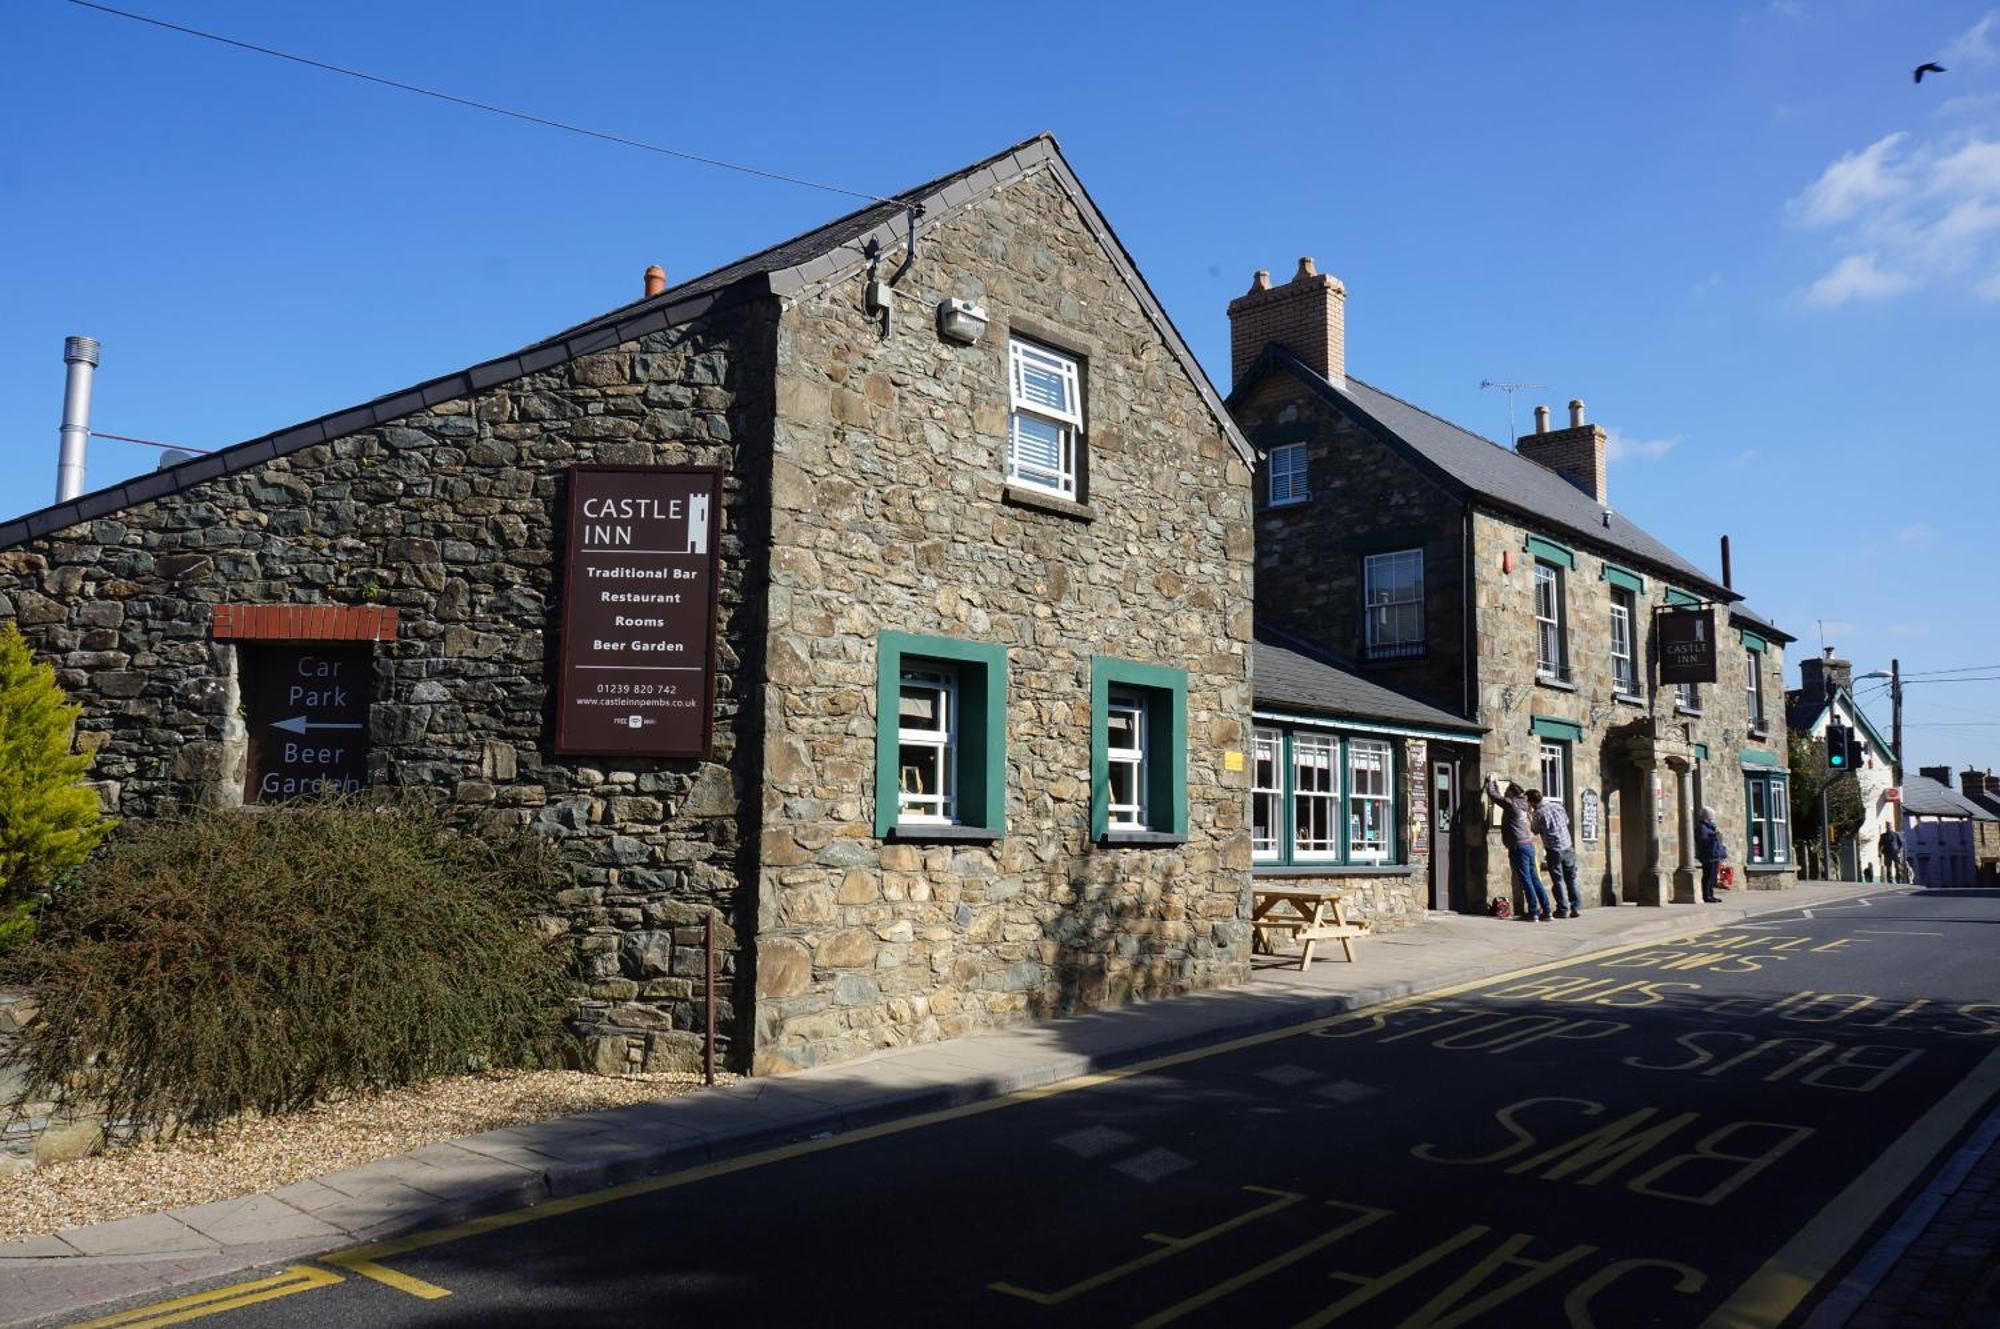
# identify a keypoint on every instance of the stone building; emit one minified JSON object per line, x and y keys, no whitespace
{"x":1341,"y":784}
{"x":981,"y":631}
{"x":1825,"y":695}
{"x":1500,"y":585}
{"x":1982,"y":789}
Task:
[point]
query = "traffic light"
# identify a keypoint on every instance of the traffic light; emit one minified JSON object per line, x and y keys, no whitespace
{"x":1853,"y":749}
{"x":1840,"y":747}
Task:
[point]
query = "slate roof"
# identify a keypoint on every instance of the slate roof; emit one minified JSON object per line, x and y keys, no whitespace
{"x":1763,"y":626}
{"x":1476,"y":467}
{"x":1925,"y":797}
{"x":1283,"y":673}
{"x":784,"y":269}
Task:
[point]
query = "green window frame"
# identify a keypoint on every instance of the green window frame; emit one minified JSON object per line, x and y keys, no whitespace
{"x":1283,"y":854}
{"x":1623,"y":578}
{"x":979,"y":671}
{"x":1163,"y":693}
{"x":1767,"y":811}
{"x":1551,"y":552}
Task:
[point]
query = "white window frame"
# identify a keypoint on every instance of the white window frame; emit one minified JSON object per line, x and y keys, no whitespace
{"x":1066,"y":417}
{"x":1624,"y":664}
{"x":1391,"y":601}
{"x":1288,"y":475}
{"x":1753,"y":686}
{"x":1687,"y":696}
{"x":1554,"y":759}
{"x":1267,"y":799}
{"x":1325,"y":801}
{"x":943,"y":739}
{"x":1768,"y":834}
{"x":1550,"y":655}
{"x":1375,"y":759}
{"x":1129,"y":815}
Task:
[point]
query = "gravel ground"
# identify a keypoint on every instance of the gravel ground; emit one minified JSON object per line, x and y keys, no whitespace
{"x":262,"y":1154}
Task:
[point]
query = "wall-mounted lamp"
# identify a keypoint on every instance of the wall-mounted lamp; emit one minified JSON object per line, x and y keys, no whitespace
{"x":961,"y":321}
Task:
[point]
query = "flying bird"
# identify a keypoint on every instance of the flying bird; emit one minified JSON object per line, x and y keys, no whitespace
{"x":1917,"y":75}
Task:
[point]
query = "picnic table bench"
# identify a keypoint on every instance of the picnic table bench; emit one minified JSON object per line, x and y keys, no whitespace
{"x":1308,"y":914}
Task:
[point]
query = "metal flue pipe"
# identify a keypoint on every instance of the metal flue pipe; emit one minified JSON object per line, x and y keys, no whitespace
{"x":80,"y":354}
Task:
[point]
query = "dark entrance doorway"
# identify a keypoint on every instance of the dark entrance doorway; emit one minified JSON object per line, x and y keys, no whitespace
{"x":1447,"y":865}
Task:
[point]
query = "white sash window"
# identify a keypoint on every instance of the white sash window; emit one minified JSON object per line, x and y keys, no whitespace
{"x":1045,"y":420}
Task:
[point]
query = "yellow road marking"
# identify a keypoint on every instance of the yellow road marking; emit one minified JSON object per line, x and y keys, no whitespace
{"x":1785,"y":1280}
{"x":363,"y":1259}
{"x":298,"y":1278}
{"x":416,"y":1287}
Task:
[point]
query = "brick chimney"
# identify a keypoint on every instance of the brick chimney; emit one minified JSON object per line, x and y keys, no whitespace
{"x":1975,"y":783}
{"x":1307,"y":316}
{"x":1942,"y":774}
{"x":1813,"y":676}
{"x":1575,"y":453}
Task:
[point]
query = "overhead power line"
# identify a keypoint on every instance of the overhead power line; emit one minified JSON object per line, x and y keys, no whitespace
{"x":544,"y":121}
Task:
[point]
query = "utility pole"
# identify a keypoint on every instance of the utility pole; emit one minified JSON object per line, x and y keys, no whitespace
{"x":1826,"y":785}
{"x":1896,"y":722}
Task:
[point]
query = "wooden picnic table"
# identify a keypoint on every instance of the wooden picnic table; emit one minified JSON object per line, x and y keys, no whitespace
{"x":1310,"y":914}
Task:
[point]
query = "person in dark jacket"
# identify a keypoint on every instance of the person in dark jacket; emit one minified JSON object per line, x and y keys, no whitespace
{"x":1519,"y":837}
{"x":1713,"y":853}
{"x":1891,"y":846}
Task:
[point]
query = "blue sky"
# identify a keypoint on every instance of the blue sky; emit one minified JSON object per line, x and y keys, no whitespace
{"x":1768,"y":261}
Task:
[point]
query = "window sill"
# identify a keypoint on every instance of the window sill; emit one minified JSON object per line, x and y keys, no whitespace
{"x":1140,"y":839}
{"x":917,"y":834}
{"x":1762,"y":868}
{"x":1686,"y":710}
{"x":1270,"y":503}
{"x":1627,"y":699}
{"x":1021,"y":496}
{"x":1758,"y":731}
{"x":1393,"y":655}
{"x":1551,"y":681}
{"x":1264,"y":870}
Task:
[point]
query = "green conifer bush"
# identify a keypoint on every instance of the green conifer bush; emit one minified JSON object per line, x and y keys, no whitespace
{"x":48,"y":821}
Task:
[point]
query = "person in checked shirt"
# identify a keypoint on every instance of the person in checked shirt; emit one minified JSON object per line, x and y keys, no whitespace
{"x":1551,"y":822}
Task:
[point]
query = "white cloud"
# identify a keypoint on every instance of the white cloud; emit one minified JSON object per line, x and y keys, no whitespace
{"x":1745,"y":457}
{"x":1975,"y":103}
{"x":1620,"y":446}
{"x":1977,"y":45}
{"x":1918,"y":533}
{"x":1856,"y":277}
{"x":1905,"y":213}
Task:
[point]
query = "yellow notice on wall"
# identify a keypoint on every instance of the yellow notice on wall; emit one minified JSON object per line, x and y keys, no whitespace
{"x":1232,"y":760}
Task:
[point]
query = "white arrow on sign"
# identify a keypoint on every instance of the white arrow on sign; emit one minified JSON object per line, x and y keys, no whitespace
{"x":298,"y":724}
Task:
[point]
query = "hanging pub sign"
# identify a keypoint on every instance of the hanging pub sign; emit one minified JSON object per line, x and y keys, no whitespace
{"x":637,"y":675}
{"x":1687,"y":645}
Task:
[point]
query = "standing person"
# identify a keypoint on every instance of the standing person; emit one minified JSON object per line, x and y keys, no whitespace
{"x":1552,"y":821}
{"x":1713,"y":853}
{"x":1520,"y":842}
{"x":1892,"y":855}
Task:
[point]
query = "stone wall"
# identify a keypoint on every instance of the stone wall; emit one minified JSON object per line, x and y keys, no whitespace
{"x":1511,"y":697}
{"x":1310,"y":555}
{"x":890,"y":513}
{"x":451,"y":516}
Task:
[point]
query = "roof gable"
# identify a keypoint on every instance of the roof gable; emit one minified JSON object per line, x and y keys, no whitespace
{"x":785,"y":269}
{"x":1479,"y":470}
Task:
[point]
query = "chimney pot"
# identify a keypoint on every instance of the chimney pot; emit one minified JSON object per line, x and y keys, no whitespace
{"x":656,"y":280}
{"x":1262,"y":281}
{"x":1306,"y":270}
{"x":1307,"y":316}
{"x":1576,"y":413}
{"x":1541,"y":419}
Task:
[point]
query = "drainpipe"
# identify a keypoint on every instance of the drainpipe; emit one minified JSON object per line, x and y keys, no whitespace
{"x":80,"y":354}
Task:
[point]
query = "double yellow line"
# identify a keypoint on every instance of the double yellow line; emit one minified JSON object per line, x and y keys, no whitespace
{"x":298,"y":1278}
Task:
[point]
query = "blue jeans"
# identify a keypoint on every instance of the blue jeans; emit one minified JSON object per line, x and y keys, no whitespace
{"x":1711,"y":874}
{"x":1562,"y":879}
{"x":1522,"y":858}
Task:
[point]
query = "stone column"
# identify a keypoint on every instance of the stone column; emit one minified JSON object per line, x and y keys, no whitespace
{"x":1651,"y":887}
{"x":1685,"y":872}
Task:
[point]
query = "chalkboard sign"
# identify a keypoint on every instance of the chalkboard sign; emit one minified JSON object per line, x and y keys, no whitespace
{"x":306,"y":706}
{"x":1687,"y":645}
{"x":638,"y":632}
{"x":1588,"y":817}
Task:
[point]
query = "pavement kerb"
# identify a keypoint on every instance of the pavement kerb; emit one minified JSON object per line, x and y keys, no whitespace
{"x":808,"y":1116}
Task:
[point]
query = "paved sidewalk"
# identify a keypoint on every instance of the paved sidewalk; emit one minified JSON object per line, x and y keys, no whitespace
{"x":82,"y":1268}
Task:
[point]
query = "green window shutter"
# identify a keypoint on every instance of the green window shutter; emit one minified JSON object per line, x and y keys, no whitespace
{"x":982,"y":724}
{"x":1701,"y":751}
{"x":1165,"y":691}
{"x":1547,"y":726}
{"x":1752,"y":640}
{"x":1551,"y":552}
{"x":1682,"y":599}
{"x":1630,"y":581}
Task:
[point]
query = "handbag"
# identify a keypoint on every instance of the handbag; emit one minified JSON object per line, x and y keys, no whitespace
{"x":1725,"y":876}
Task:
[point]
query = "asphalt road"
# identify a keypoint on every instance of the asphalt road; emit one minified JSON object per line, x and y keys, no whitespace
{"x":1684,"y":1134}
